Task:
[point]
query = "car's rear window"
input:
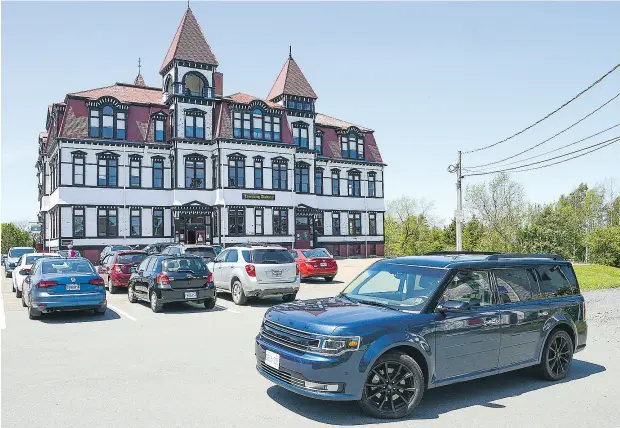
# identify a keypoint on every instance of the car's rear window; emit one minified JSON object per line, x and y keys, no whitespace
{"x":31,"y":259}
{"x":201,"y":252}
{"x":271,"y":256}
{"x":314,"y":253}
{"x":130,"y":258}
{"x":18,"y":252}
{"x":66,"y":266}
{"x":177,"y":264}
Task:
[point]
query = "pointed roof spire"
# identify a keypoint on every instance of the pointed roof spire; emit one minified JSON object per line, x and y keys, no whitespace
{"x":189,"y":43}
{"x":139,"y":79}
{"x":291,"y":81}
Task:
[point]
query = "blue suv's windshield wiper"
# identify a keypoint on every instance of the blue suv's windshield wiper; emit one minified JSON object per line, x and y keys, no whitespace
{"x":372,"y":303}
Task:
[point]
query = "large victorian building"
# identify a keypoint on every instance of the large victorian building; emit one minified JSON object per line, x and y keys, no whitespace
{"x":133,"y":164}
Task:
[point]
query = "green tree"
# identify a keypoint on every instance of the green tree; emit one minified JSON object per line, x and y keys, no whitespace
{"x":473,"y":233}
{"x":13,"y":236}
{"x":604,"y":244}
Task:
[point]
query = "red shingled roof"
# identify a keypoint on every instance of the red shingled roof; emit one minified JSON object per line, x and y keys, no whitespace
{"x":291,"y":81}
{"x":125,"y":93}
{"x":241,"y":98}
{"x":323,"y":119}
{"x":189,"y":43}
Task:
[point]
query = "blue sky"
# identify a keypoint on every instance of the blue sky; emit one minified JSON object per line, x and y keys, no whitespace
{"x":430,"y":78}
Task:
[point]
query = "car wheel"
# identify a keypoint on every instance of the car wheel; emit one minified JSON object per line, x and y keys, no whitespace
{"x":394,"y":387}
{"x":24,"y":301}
{"x":13,"y":286}
{"x":329,"y":278}
{"x":113,"y":288}
{"x":289,"y":297}
{"x":210,"y":303}
{"x":155,"y":305}
{"x":8,"y":275}
{"x":238,"y":295}
{"x":18,"y":293}
{"x":33,"y":313}
{"x":131,"y":296}
{"x":557,"y":356}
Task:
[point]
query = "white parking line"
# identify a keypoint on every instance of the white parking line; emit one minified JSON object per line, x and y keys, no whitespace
{"x":121,"y":312}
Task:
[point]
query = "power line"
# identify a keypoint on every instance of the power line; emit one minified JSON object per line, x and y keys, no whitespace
{"x":550,"y":114}
{"x":545,"y":153}
{"x":597,"y":145}
{"x":550,"y":138}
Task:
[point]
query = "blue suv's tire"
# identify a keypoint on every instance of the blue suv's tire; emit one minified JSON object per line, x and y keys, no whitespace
{"x":557,"y":356}
{"x":394,"y":386}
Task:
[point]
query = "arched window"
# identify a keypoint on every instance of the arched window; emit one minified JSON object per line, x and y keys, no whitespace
{"x":352,"y":146}
{"x":107,"y":123}
{"x":168,"y":85}
{"x":194,"y":84}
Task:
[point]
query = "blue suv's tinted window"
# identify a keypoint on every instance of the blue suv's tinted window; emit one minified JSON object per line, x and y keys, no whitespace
{"x":472,"y":287}
{"x":552,"y":282}
{"x":514,"y":285}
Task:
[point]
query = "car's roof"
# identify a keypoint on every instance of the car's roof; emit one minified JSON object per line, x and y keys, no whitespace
{"x":42,"y":254}
{"x":449,"y":261}
{"x":129,"y":251}
{"x":20,"y":248}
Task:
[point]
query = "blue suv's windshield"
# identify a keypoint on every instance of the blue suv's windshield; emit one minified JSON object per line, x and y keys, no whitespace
{"x":395,"y":285}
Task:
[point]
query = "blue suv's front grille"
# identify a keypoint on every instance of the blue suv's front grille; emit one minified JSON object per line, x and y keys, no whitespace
{"x":289,"y":337}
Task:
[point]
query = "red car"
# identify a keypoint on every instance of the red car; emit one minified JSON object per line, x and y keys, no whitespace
{"x":315,"y":262}
{"x":115,"y":268}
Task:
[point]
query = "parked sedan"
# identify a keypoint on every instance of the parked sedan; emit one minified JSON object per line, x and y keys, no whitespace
{"x":110,"y":249}
{"x":115,"y":269}
{"x":22,"y":269}
{"x":162,"y":279}
{"x":315,"y":263}
{"x":13,"y":256}
{"x":57,"y":284}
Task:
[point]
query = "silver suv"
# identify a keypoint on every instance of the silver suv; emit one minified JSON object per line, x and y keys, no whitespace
{"x":207,"y":252}
{"x":256,"y":272}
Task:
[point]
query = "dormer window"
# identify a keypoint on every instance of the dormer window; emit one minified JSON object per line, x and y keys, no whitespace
{"x":300,"y":134}
{"x":158,"y":127}
{"x":196,"y":85}
{"x":318,"y":141}
{"x":107,"y":123}
{"x":256,"y":125}
{"x":352,"y":146}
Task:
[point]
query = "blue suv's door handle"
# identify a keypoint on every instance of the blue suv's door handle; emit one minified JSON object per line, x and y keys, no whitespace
{"x":543,"y":314}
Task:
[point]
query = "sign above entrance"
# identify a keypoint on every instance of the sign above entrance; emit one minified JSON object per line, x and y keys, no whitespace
{"x":259,"y":196}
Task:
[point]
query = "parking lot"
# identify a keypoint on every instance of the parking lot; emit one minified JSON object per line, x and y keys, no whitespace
{"x":189,"y":367}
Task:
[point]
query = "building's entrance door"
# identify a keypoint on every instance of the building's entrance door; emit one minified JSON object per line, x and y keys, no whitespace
{"x":196,"y":236}
{"x":302,"y":238}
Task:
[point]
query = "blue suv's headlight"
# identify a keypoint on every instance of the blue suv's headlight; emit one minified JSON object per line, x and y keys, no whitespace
{"x":335,"y":345}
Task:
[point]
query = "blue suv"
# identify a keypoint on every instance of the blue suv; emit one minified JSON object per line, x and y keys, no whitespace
{"x":411,"y":323}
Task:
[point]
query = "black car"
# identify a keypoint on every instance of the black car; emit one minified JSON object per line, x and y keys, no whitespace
{"x":162,"y":279}
{"x":409,"y":324}
{"x":157,"y":247}
{"x":207,"y":252}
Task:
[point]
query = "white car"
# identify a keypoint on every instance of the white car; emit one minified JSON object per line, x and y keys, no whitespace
{"x":22,"y":269}
{"x":254,"y":271}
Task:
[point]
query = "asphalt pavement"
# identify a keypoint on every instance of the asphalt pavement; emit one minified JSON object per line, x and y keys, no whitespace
{"x":189,"y":367}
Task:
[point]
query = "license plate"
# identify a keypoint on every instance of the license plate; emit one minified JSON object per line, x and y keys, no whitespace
{"x":323,"y":264}
{"x":72,"y":287}
{"x":272,"y":359}
{"x":191,"y":295}
{"x":276,"y":273}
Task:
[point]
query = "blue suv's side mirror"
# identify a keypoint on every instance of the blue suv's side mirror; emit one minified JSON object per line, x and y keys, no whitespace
{"x":453,"y":306}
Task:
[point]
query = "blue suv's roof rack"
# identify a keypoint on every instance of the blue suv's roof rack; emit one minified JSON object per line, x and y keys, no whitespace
{"x":460,"y":253}
{"x":498,"y":256}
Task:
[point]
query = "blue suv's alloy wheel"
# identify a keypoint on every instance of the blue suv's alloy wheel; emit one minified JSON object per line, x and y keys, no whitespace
{"x":394,"y":386}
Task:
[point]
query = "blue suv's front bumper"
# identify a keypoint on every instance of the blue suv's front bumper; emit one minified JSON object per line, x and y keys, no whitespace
{"x":299,"y":372}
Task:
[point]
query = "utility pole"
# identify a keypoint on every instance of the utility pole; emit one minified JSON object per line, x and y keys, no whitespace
{"x":458,"y":214}
{"x":459,"y":205}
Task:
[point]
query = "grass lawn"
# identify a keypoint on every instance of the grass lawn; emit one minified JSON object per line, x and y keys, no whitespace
{"x":596,"y":277}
